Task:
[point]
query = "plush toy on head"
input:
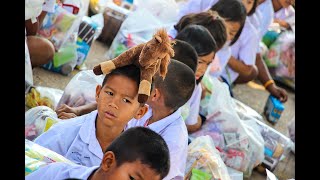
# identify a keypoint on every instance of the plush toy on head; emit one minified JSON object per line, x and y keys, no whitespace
{"x":150,"y":57}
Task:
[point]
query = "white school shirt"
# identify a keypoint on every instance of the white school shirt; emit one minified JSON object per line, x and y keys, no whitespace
{"x":255,"y":21}
{"x":267,"y":12}
{"x":192,"y":6}
{"x":74,"y":139}
{"x":174,"y":131}
{"x":223,"y":56}
{"x":194,"y":104}
{"x":244,"y":49}
{"x":284,"y":13}
{"x":60,"y":171}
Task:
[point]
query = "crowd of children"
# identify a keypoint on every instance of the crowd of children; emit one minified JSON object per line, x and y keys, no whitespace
{"x":215,"y":38}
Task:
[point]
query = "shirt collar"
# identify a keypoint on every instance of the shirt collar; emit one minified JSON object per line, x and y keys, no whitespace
{"x":162,"y":124}
{"x":88,"y":134}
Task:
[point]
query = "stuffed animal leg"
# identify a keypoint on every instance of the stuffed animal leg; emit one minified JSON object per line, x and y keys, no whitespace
{"x":126,"y":58}
{"x":145,"y":82}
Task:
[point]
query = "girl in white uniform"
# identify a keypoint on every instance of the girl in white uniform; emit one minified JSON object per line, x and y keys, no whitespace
{"x":284,"y":13}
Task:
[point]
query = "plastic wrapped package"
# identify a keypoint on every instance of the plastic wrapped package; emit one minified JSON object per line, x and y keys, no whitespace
{"x":291,"y":129}
{"x":203,"y":157}
{"x":37,"y":156}
{"x":207,"y":84}
{"x":285,"y":71}
{"x":276,"y":146}
{"x":137,"y":28}
{"x":74,"y":96}
{"x":57,"y":26}
{"x":38,"y":120}
{"x":43,"y":96}
{"x":240,"y":145}
{"x":234,"y":174}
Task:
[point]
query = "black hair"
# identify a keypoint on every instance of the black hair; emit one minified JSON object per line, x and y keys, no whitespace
{"x":199,"y":38}
{"x":178,"y":85}
{"x":232,"y":10}
{"x":130,"y":71}
{"x":253,"y":9}
{"x":142,"y":144}
{"x":186,"y":54}
{"x":210,"y":20}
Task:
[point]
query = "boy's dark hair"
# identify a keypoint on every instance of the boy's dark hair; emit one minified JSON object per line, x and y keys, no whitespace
{"x":130,"y":71}
{"x":178,"y":85}
{"x":253,"y":9}
{"x":145,"y":145}
{"x":199,"y":38}
{"x":186,"y":54}
{"x":232,"y":10}
{"x":210,"y":20}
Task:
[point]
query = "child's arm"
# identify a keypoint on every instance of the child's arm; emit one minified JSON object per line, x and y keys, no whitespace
{"x":67,"y":112}
{"x":242,"y":68}
{"x":193,"y":121}
{"x":264,"y":77}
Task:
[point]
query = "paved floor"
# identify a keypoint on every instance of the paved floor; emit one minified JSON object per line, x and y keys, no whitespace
{"x":253,"y":97}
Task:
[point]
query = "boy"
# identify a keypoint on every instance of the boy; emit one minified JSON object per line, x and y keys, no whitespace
{"x":164,"y":116}
{"x":84,"y":139}
{"x":138,"y":153}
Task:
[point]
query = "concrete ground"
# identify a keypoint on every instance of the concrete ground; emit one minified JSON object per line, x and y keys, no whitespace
{"x":255,"y":98}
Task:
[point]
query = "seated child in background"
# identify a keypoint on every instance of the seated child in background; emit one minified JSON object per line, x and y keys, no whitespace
{"x":84,"y":139}
{"x":204,"y":44}
{"x":283,"y":11}
{"x":164,"y":116}
{"x":138,"y":153}
{"x":41,"y":50}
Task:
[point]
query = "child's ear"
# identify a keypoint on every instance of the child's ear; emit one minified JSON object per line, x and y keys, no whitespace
{"x":98,"y":89}
{"x":141,"y":112}
{"x":108,"y":161}
{"x":155,"y":95}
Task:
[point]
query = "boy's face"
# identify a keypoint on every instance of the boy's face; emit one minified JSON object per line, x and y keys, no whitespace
{"x":248,"y":4}
{"x":203,"y":63}
{"x":118,"y":102}
{"x":133,"y":171}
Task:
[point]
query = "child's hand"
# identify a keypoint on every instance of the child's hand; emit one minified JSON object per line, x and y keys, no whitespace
{"x":64,"y":115}
{"x":63,"y":109}
{"x":278,"y":92}
{"x":282,"y":23}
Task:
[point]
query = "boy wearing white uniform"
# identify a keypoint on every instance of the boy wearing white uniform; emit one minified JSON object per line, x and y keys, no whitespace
{"x":84,"y":139}
{"x":136,"y":153}
{"x":164,"y":116}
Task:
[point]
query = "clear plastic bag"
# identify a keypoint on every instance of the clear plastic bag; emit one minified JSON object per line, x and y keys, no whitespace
{"x":241,"y":146}
{"x":43,"y":96}
{"x":38,"y":120}
{"x":37,"y":156}
{"x":58,"y":26}
{"x":74,"y":96}
{"x":137,"y":28}
{"x":203,"y":156}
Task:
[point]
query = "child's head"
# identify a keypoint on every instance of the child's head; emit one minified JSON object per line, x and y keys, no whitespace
{"x":210,"y":20}
{"x":204,"y":44}
{"x":117,"y":98}
{"x":186,"y":54}
{"x":175,"y":90}
{"x":234,"y":14}
{"x":250,"y":6}
{"x":138,"y":153}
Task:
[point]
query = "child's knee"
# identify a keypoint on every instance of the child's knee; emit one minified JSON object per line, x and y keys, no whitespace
{"x":41,"y":50}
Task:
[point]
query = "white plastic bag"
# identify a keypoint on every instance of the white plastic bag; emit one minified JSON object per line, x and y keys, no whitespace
{"x":43,"y":96}
{"x":241,"y":146}
{"x":202,"y":155}
{"x":33,"y":9}
{"x":38,"y":120}
{"x":81,"y":89}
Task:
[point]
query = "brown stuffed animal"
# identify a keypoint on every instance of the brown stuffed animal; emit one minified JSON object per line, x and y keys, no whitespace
{"x":149,"y":57}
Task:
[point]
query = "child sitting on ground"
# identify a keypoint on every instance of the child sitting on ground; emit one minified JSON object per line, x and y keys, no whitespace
{"x":204,"y":44}
{"x":164,"y":116}
{"x":138,"y":153}
{"x":84,"y":139}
